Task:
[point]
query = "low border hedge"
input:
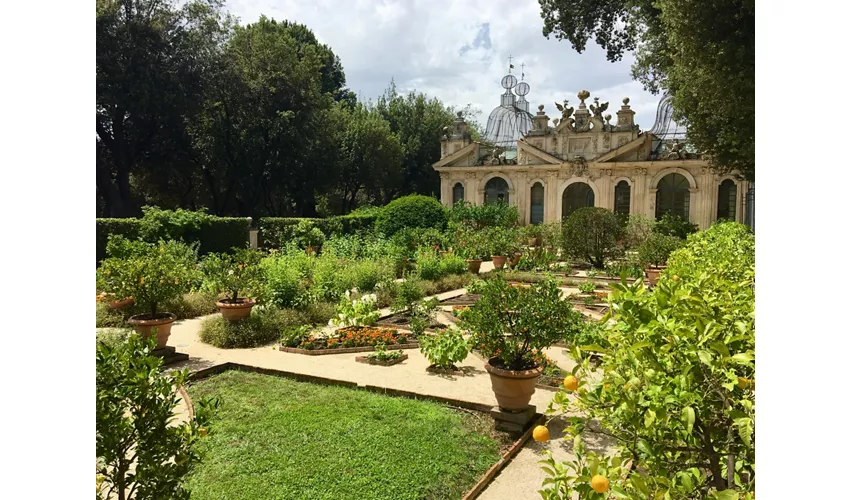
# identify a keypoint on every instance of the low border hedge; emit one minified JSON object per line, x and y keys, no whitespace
{"x":273,"y":230}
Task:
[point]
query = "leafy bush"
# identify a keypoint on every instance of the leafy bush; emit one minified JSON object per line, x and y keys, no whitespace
{"x":503,"y":241}
{"x":233,"y":273}
{"x":411,"y":211}
{"x":453,"y":264}
{"x":320,"y":313}
{"x":277,"y":231}
{"x":364,"y":275}
{"x":445,"y":348}
{"x":152,"y":279}
{"x":429,"y":265}
{"x":407,"y":293}
{"x":471,"y":243}
{"x":536,"y":259}
{"x":283,"y":281}
{"x":104,"y":228}
{"x":586,"y":287}
{"x":628,"y":269}
{"x":421,"y":314}
{"x":677,"y":384}
{"x":592,"y":234}
{"x":552,"y":234}
{"x":638,"y":228}
{"x":135,"y":428}
{"x":262,"y":327}
{"x":357,"y":311}
{"x":589,"y":337}
{"x":513,"y":323}
{"x":498,"y":214}
{"x":656,"y":249}
{"x":673,"y":225}
{"x":306,"y":234}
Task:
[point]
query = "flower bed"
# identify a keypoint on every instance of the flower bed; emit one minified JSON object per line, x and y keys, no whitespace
{"x":350,"y":339}
{"x":381,"y":362}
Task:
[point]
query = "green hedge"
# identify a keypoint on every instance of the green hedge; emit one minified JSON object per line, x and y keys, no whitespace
{"x":215,"y":234}
{"x":273,"y":230}
{"x":411,"y":211}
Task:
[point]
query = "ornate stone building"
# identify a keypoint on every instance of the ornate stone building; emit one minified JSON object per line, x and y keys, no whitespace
{"x":585,"y":160}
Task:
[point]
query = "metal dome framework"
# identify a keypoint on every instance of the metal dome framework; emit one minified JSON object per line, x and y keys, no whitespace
{"x":510,"y":120}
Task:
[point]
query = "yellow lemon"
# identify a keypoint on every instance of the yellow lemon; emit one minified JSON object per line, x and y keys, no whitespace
{"x":745,"y":383}
{"x":675,"y":277}
{"x":599,"y":483}
{"x":202,"y":431}
{"x":541,"y":433}
{"x":570,"y":383}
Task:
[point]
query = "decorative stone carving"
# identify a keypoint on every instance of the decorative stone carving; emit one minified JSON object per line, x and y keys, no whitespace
{"x":622,"y":141}
{"x":598,"y":109}
{"x":443,"y":150}
{"x":494,"y":160}
{"x":708,"y":170}
{"x":608,"y":171}
{"x":640,"y":171}
{"x":606,"y":141}
{"x":676,"y":151}
{"x":523,"y":160}
{"x":578,"y":167}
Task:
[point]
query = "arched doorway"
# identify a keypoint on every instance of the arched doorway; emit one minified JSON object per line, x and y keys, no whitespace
{"x":496,"y":190}
{"x":577,"y":195}
{"x":673,"y":196}
{"x":622,"y":198}
{"x":537,"y":203}
{"x":726,"y":200}
{"x":457,"y":193}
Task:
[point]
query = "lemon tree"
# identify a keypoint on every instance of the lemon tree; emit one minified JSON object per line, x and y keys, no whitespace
{"x":677,"y":384}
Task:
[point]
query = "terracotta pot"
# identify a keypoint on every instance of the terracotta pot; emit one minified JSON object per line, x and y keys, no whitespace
{"x":513,"y":389}
{"x":235,"y":311}
{"x":474,"y":265}
{"x":499,"y":261}
{"x":120,"y":304}
{"x":144,"y":325}
{"x":653,"y":273}
{"x":516,"y":258}
{"x":311,"y":250}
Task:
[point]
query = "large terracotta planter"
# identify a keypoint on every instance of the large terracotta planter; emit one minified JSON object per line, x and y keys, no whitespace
{"x":515,"y":259}
{"x":144,"y":325}
{"x":120,"y":304}
{"x":513,"y":389}
{"x":473,"y":265}
{"x":653,"y":273}
{"x":235,"y":310}
{"x":499,"y":261}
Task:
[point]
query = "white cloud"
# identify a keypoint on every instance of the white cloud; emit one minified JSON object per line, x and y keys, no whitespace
{"x":456,"y":50}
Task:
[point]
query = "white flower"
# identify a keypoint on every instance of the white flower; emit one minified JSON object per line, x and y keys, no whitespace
{"x":230,"y":272}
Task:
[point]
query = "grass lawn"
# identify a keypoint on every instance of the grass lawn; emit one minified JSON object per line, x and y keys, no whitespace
{"x":278,"y":438}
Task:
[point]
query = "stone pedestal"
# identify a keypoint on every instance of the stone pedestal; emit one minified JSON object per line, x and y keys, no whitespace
{"x":513,"y":422}
{"x":169,"y":355}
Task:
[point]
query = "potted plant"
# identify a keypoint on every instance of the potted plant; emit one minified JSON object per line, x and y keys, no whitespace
{"x":236,"y":275}
{"x":510,"y":325}
{"x":153,"y":277}
{"x":503,"y":243}
{"x":309,"y":237}
{"x":533,"y":234}
{"x":653,"y":253}
{"x":470,"y":245}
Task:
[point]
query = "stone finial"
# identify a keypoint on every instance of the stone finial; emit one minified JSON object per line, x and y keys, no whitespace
{"x":583,"y":95}
{"x":608,"y":118}
{"x":625,"y":101}
{"x":460,"y":115}
{"x":540,"y":108}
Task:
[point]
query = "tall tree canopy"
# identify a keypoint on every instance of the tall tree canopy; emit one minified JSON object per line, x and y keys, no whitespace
{"x":701,"y":52}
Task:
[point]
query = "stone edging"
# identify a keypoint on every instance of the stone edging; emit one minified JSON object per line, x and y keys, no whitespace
{"x":390,"y":362}
{"x":476,"y":490}
{"x":345,"y":350}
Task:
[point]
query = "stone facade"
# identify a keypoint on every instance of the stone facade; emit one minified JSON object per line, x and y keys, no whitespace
{"x":584,"y":147}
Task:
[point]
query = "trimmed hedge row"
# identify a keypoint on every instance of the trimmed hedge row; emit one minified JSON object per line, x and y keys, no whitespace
{"x":274,"y":230}
{"x":216,"y":234}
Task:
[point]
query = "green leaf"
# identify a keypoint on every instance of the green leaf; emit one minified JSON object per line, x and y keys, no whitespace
{"x":688,"y":418}
{"x":742,"y":358}
{"x":725,"y":495}
{"x":705,"y":357}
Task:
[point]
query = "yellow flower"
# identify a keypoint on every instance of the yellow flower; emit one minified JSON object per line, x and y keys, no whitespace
{"x":202,"y":431}
{"x":142,"y":280}
{"x":161,"y":281}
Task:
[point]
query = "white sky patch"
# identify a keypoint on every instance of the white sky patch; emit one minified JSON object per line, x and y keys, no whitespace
{"x":440,"y":47}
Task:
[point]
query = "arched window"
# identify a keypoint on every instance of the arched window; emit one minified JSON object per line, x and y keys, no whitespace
{"x":726,"y":200}
{"x":577,"y":195}
{"x":496,"y":190}
{"x":537,"y":203}
{"x":622,"y":197}
{"x":457,"y":193}
{"x":673,"y":196}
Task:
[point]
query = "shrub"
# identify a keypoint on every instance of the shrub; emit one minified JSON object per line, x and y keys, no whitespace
{"x":429,"y":264}
{"x":135,"y":428}
{"x":511,"y":324}
{"x":656,"y":249}
{"x":445,"y":348}
{"x":357,"y":311}
{"x":586,"y":287}
{"x":421,"y":314}
{"x":592,"y":234}
{"x":411,"y":211}
{"x":262,"y":327}
{"x":638,"y":228}
{"x":320,"y":313}
{"x":552,"y":234}
{"x":152,"y":279}
{"x":234,"y":273}
{"x":677,"y":383}
{"x":498,"y":214}
{"x":503,"y":241}
{"x":453,"y":264}
{"x":282,"y":282}
{"x":673,"y":225}
{"x":306,"y":234}
{"x":407,"y":292}
{"x":471,"y":243}
{"x":104,"y":228}
{"x":113,"y":336}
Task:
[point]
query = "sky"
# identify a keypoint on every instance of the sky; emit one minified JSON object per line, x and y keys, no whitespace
{"x":457,"y":50}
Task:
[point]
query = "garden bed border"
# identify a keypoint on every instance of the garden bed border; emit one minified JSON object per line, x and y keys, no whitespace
{"x":473,"y":493}
{"x":377,"y":362}
{"x":346,"y":350}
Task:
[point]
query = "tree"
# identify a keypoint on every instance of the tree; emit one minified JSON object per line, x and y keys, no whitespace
{"x":677,"y":384}
{"x":370,"y":156}
{"x":592,"y":234}
{"x":140,"y":452}
{"x":418,"y":122}
{"x":263,"y":136}
{"x":702,"y":53}
{"x":149,"y":64}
